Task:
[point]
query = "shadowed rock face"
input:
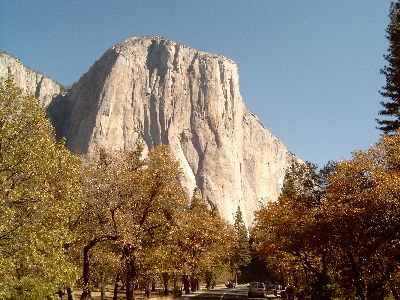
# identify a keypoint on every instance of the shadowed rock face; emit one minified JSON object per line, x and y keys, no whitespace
{"x":161,"y":92}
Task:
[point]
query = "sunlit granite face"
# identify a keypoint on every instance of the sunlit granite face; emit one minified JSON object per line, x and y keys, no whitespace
{"x":31,"y":82}
{"x":162,"y":92}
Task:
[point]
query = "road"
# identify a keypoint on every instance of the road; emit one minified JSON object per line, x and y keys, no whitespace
{"x":238,"y":293}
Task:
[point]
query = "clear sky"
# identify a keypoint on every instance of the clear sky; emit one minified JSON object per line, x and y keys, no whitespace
{"x":308,"y":69}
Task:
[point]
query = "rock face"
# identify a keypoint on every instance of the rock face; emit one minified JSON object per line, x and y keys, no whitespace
{"x":162,"y":92}
{"x":43,"y":88}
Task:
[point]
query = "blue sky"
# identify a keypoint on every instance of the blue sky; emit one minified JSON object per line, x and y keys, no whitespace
{"x":308,"y":69}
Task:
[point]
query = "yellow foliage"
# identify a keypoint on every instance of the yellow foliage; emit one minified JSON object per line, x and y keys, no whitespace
{"x":39,"y":191}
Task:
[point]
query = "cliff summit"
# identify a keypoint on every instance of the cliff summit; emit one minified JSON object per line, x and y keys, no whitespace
{"x":157,"y":91}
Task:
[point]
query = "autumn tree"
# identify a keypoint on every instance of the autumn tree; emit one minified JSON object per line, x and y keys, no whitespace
{"x":242,"y":255}
{"x":39,"y":192}
{"x":205,"y":240}
{"x":343,"y":231}
{"x":151,"y":218}
{"x":131,"y":203}
{"x":97,"y":222}
{"x":293,"y":232}
{"x":170,"y":266}
{"x":391,"y":91}
{"x":363,"y":208}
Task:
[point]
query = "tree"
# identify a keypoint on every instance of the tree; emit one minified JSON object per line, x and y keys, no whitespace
{"x":391,"y":90}
{"x":97,"y":222}
{"x":152,"y":216}
{"x":205,"y":240}
{"x":339,"y":237}
{"x":133,"y":205}
{"x":39,"y":193}
{"x":363,"y":208}
{"x":293,"y":234}
{"x":242,"y":254}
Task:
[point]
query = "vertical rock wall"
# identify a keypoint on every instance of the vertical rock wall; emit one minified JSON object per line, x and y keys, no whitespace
{"x":162,"y":92}
{"x":43,"y":88}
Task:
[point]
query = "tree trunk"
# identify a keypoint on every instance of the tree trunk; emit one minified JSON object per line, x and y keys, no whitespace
{"x":129,"y":284}
{"x":319,"y":288}
{"x":165,"y":278}
{"x":186,"y":283}
{"x":394,"y":291}
{"x":194,"y":283}
{"x":356,"y":278}
{"x":86,"y":295}
{"x":130,"y":278}
{"x":86,"y":273}
{"x":103,"y":288}
{"x":70,"y":293}
{"x":147,"y":290}
{"x":86,"y":263}
{"x":209,"y":279}
{"x":115,"y":297}
{"x":103,"y":292}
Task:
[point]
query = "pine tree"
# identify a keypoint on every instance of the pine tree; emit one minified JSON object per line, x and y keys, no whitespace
{"x":242,"y":254}
{"x":391,"y":90}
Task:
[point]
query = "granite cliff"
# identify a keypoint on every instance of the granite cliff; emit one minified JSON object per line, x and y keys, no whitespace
{"x":43,"y":88}
{"x":162,"y":92}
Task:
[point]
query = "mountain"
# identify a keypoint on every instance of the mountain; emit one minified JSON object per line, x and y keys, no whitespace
{"x":161,"y":92}
{"x":43,"y":88}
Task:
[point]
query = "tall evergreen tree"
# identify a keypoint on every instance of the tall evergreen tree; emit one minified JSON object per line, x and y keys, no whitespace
{"x":242,"y":254}
{"x":391,"y":108}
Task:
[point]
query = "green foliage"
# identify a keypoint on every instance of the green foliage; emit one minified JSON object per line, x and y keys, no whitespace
{"x":39,"y":191}
{"x":391,"y":91}
{"x":242,"y":254}
{"x":302,"y":182}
